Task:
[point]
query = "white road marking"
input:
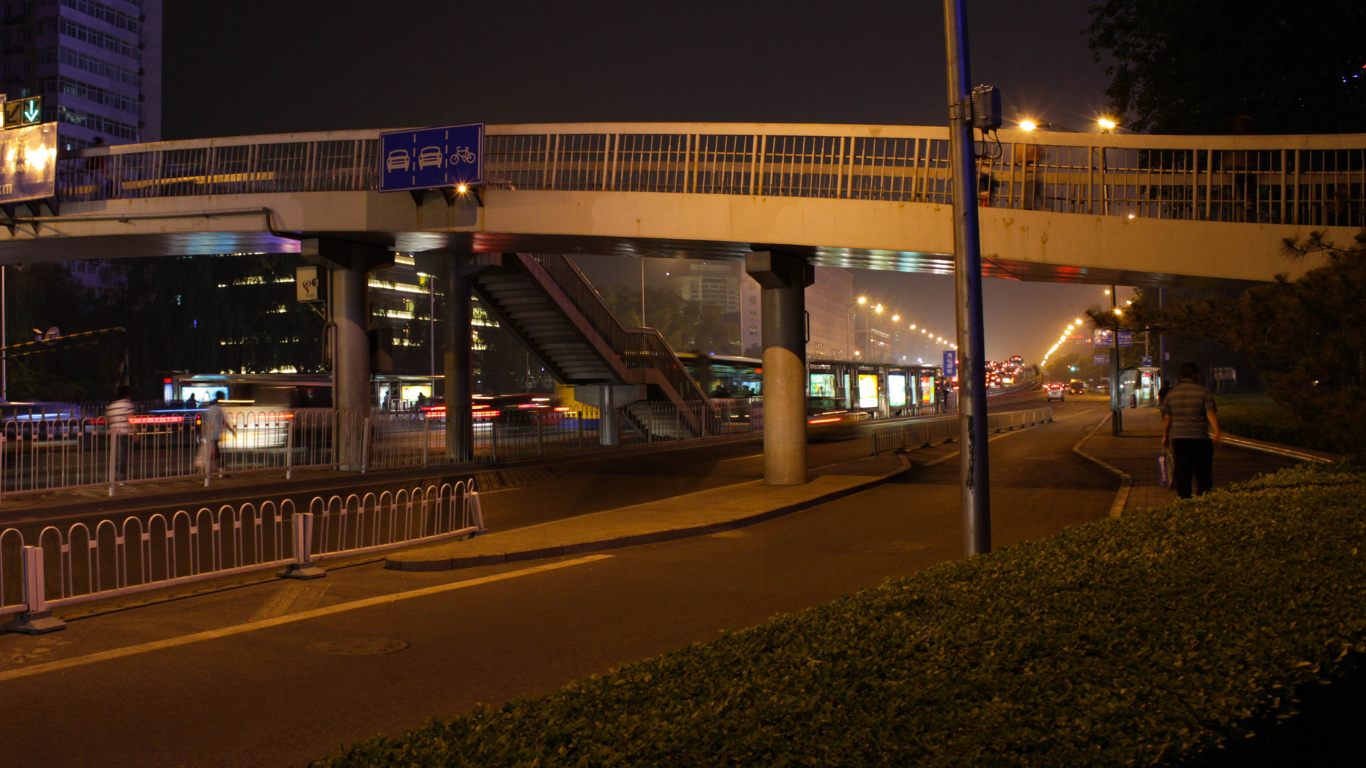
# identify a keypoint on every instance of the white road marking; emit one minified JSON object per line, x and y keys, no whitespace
{"x":173,"y":642}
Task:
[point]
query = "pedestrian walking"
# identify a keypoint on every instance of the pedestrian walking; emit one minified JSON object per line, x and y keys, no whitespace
{"x":1190,"y":427}
{"x":1162,"y":392}
{"x":118,"y":422}
{"x":215,"y":421}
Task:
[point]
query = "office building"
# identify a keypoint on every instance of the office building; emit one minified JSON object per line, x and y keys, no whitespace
{"x":96,"y":63}
{"x":715,"y":283}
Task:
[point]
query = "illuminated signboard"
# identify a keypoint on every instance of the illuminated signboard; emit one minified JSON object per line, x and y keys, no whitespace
{"x":896,"y":390}
{"x":867,"y":390}
{"x":29,"y":157}
{"x":927,"y":389}
{"x":22,"y":112}
{"x":822,"y":385}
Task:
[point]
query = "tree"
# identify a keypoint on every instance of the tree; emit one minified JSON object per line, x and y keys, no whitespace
{"x":1233,"y":66}
{"x":43,"y":296}
{"x":687,"y":325}
{"x":1307,"y":335}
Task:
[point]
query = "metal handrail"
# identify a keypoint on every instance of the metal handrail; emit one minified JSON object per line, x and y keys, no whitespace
{"x":1304,"y":180}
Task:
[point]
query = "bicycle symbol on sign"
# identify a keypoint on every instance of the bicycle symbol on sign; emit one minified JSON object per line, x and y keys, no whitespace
{"x":462,"y":155}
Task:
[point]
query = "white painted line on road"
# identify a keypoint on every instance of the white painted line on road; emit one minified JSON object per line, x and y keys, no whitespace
{"x":214,"y":634}
{"x":1125,"y":482}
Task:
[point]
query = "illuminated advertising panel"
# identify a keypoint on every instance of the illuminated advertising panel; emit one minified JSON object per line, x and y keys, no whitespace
{"x":822,"y":385}
{"x":896,"y":389}
{"x":927,"y":389}
{"x":28,"y":163}
{"x":867,"y":390}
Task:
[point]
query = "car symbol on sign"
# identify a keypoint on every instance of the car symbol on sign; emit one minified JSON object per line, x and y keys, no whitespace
{"x":398,"y":160}
{"x":431,"y":156}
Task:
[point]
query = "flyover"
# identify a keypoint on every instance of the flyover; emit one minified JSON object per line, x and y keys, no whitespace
{"x":1086,"y":208}
{"x":1128,"y":209}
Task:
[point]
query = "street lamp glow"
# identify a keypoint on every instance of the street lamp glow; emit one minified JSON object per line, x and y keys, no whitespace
{"x":1078,"y":321}
{"x":1028,"y":125}
{"x":461,"y":189}
{"x":913,"y":326}
{"x":878,"y":308}
{"x":1118,"y":311}
{"x":1107,"y":124}
{"x":1107,"y":291}
{"x":896,"y":318}
{"x":863,"y":299}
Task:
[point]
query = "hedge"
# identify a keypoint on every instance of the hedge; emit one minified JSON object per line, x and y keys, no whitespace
{"x":1270,"y":423}
{"x":1152,"y":639}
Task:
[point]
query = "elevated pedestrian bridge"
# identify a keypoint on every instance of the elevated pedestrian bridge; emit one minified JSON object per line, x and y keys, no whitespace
{"x":1137,"y":210}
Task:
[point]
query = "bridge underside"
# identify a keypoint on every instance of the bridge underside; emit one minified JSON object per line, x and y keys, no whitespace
{"x":905,"y":237}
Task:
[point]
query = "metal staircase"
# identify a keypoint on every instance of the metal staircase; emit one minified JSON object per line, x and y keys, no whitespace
{"x":557,"y":314}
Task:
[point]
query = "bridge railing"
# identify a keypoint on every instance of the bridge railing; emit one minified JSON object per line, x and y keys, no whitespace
{"x":1309,"y":180}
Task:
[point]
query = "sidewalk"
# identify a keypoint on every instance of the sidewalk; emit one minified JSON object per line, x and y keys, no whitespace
{"x":693,"y":514}
{"x":1136,"y":450}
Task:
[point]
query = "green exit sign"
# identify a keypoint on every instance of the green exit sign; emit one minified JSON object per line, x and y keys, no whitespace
{"x":22,"y":112}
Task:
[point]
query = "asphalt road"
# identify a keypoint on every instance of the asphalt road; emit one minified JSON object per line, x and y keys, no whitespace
{"x":195,"y":682}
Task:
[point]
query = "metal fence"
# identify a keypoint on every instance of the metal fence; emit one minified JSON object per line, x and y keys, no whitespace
{"x":930,"y":432}
{"x":53,"y":450}
{"x":1307,"y":180}
{"x":61,"y":567}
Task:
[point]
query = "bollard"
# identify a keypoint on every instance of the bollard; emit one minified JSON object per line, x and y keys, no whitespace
{"x":36,"y":618}
{"x":365,"y":447}
{"x":289,"y":449}
{"x":426,"y":438}
{"x":303,"y":567}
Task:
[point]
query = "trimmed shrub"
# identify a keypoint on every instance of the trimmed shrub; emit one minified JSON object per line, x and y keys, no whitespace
{"x":1151,"y":639}
{"x":1276,"y":425}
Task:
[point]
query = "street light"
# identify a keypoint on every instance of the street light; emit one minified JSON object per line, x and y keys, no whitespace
{"x":896,"y":318}
{"x":863,"y":299}
{"x":878,"y":308}
{"x":1028,"y":125}
{"x":1107,"y":125}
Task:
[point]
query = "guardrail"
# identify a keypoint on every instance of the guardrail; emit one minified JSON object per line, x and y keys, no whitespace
{"x":930,"y":432}
{"x":85,"y":563}
{"x":40,"y":454}
{"x":1304,"y":180}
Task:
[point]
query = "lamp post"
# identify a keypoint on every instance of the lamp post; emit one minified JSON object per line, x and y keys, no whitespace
{"x":967,"y":272}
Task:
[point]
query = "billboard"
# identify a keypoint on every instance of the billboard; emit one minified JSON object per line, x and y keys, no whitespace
{"x":28,"y":163}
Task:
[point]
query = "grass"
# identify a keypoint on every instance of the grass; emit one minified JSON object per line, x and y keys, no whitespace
{"x":1159,"y":638}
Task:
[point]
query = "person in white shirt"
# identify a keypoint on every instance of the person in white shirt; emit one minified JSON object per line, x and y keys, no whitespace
{"x":214,"y":422}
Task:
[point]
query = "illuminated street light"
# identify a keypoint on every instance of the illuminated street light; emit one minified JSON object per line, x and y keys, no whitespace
{"x":1107,"y":125}
{"x":878,"y":308}
{"x":896,"y":318}
{"x":863,"y":299}
{"x":913,"y":326}
{"x":1107,"y":291}
{"x":1028,"y":125}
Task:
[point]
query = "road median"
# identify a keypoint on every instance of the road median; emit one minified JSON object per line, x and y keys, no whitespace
{"x":693,"y":514}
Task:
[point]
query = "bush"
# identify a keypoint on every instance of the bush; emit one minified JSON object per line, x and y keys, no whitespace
{"x":1150,"y":639}
{"x":1275,"y":425}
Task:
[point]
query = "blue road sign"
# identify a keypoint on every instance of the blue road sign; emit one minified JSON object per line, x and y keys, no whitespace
{"x":430,"y":158}
{"x":1147,"y":361}
{"x":1102,"y":359}
{"x":1102,"y":337}
{"x":1126,"y":338}
{"x":950,"y":363}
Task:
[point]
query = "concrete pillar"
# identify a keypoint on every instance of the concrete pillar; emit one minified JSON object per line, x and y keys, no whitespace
{"x":350,"y":265}
{"x":609,"y":399}
{"x":350,"y":362}
{"x":459,"y":361}
{"x":784,"y":278}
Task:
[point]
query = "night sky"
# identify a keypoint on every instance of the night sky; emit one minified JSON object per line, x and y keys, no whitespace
{"x":250,"y":66}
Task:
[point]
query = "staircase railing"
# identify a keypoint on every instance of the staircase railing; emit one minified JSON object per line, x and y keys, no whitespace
{"x":637,"y":347}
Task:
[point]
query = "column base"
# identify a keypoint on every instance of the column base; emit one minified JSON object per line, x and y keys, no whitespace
{"x":34,"y":623}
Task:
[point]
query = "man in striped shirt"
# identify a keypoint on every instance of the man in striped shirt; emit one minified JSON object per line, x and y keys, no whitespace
{"x":118,"y":421}
{"x":1190,"y":427}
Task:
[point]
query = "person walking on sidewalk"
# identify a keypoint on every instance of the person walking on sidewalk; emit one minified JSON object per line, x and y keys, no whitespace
{"x":1190,"y":427}
{"x":118,"y":420}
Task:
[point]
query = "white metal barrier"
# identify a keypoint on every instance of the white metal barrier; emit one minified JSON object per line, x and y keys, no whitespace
{"x":929,"y":432}
{"x":82,"y":563}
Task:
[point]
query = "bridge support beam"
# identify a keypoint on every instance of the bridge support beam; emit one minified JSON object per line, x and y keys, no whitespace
{"x":350,"y":265}
{"x":784,"y":278}
{"x":459,"y":368}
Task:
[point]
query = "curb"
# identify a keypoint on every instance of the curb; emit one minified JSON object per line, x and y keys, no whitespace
{"x":652,"y":537}
{"x":1125,"y":481}
{"x":1276,"y":449}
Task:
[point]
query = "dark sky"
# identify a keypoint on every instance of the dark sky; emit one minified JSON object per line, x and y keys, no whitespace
{"x":251,"y":66}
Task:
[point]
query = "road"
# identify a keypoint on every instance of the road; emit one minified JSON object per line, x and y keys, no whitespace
{"x":236,"y":678}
